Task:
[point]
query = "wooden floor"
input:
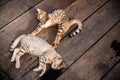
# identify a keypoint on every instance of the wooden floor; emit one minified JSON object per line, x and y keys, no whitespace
{"x":88,"y":55}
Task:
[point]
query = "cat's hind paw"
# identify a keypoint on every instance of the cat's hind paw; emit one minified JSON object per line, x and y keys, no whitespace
{"x":17,"y":66}
{"x":37,"y":69}
{"x":41,"y":71}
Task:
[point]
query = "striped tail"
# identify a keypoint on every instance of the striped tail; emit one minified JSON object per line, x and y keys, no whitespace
{"x":15,"y":43}
{"x":79,"y":27}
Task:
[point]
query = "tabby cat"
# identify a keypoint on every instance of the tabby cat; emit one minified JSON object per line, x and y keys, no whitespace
{"x":57,"y":18}
{"x":38,"y":47}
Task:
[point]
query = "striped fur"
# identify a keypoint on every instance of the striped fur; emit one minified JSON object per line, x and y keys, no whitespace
{"x":60,"y":19}
{"x":37,"y":47}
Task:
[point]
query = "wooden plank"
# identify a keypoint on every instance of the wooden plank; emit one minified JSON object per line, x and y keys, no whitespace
{"x":3,"y":75}
{"x":24,"y":24}
{"x":27,"y":21}
{"x":114,"y":74}
{"x":13,"y":9}
{"x":2,"y":2}
{"x":87,"y":9}
{"x":94,"y":27}
{"x":81,"y":9}
{"x":95,"y":62}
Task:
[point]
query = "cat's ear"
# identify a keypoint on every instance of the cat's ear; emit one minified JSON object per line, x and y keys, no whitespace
{"x":63,"y":65}
{"x":38,"y":10}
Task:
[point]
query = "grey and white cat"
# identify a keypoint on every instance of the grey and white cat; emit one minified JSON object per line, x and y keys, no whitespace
{"x":37,"y":47}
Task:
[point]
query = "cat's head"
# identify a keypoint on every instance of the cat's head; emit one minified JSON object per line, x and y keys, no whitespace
{"x":58,"y":63}
{"x":42,"y":15}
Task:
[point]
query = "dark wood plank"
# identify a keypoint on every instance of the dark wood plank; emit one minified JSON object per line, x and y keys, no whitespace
{"x":24,"y":24}
{"x":3,"y":75}
{"x":94,"y":27}
{"x":81,"y":9}
{"x":13,"y":9}
{"x":114,"y":74}
{"x":97,"y":61}
{"x":2,"y":2}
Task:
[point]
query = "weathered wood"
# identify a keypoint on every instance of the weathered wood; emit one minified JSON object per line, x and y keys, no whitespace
{"x":97,"y":61}
{"x":13,"y":9}
{"x":94,"y":28}
{"x":81,"y":9}
{"x":62,"y":49}
{"x":2,"y":2}
{"x":23,"y":24}
{"x":114,"y":74}
{"x":3,"y":75}
{"x":26,"y":25}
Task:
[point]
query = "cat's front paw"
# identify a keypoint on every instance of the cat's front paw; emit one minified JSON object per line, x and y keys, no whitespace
{"x":12,"y":59}
{"x":54,"y":45}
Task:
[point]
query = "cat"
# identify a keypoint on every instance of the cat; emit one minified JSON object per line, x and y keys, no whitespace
{"x":36,"y":46}
{"x":57,"y":18}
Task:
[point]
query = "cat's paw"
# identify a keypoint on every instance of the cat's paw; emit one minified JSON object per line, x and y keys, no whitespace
{"x":36,"y":69}
{"x":41,"y":71}
{"x":54,"y":45}
{"x":12,"y":60}
{"x":17,"y":66}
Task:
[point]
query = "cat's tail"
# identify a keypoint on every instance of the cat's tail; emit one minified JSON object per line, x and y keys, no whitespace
{"x":16,"y":42}
{"x":78,"y":29}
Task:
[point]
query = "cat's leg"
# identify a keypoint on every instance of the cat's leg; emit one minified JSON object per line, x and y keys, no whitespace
{"x":20,"y":53}
{"x":49,"y":23}
{"x":62,"y":31}
{"x":60,"y":34}
{"x":36,"y":31}
{"x":56,"y":41}
{"x":14,"y":54}
{"x":40,"y":28}
{"x":42,"y":66}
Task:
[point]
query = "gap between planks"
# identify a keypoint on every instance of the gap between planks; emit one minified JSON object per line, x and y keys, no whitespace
{"x":46,"y":77}
{"x":114,"y":73}
{"x":3,"y":2}
{"x":49,"y":8}
{"x":15,"y":8}
{"x":108,"y":20}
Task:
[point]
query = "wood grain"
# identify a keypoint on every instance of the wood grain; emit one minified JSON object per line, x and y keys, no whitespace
{"x":13,"y":9}
{"x":66,"y":48}
{"x":2,"y":2}
{"x":96,"y":62}
{"x":114,"y":74}
{"x":24,"y":24}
